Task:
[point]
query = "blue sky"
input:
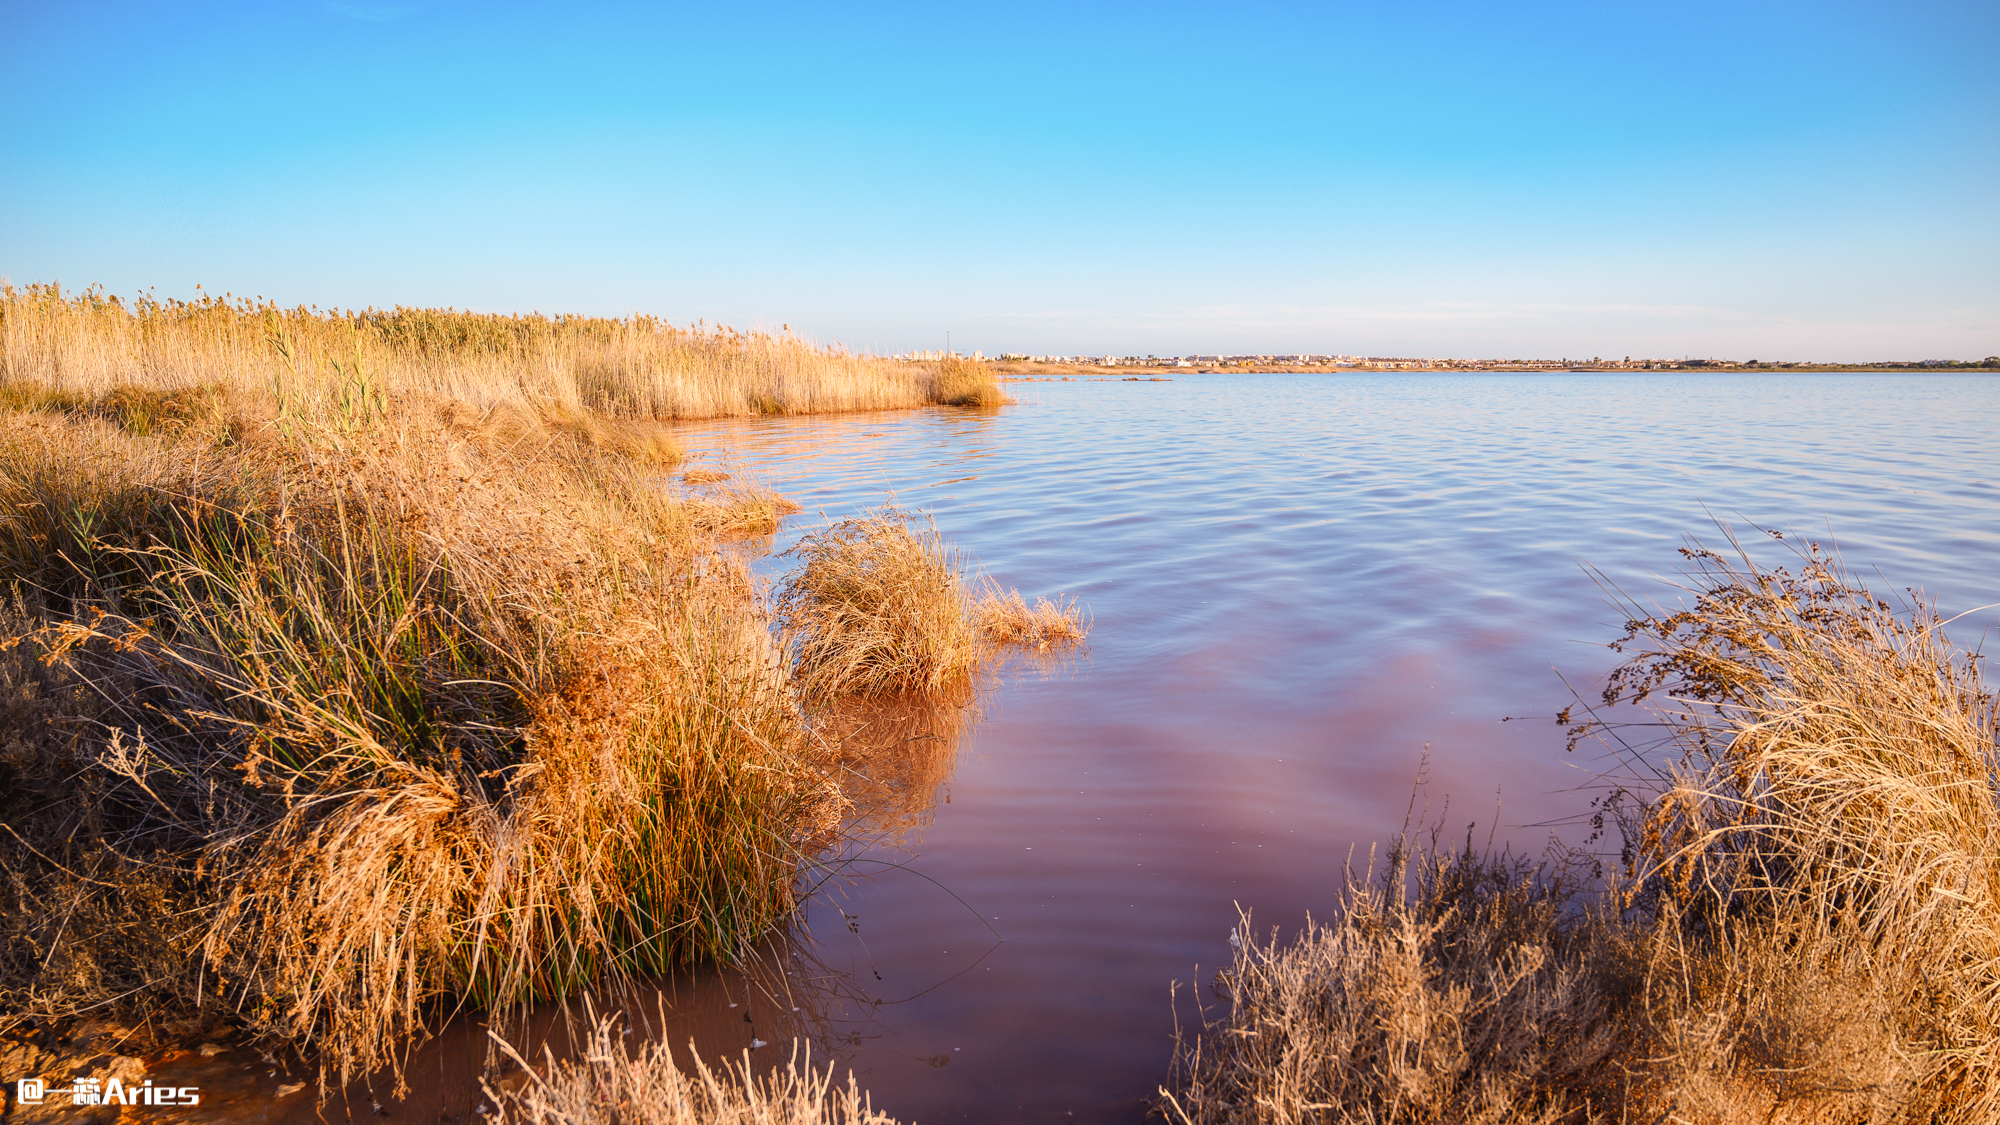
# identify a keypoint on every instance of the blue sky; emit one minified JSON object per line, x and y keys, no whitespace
{"x":1811,"y":180}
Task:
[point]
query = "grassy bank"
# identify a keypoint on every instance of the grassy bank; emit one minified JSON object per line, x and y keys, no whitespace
{"x":1804,"y":925}
{"x":359,"y":669}
{"x":86,"y":346}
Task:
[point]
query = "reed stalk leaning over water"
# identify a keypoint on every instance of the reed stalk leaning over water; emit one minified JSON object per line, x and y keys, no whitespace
{"x":1807,"y":929}
{"x":334,"y":701}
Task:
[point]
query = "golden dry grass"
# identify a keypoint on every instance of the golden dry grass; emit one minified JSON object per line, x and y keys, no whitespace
{"x":326,"y":364}
{"x":363,"y":667}
{"x":880,"y":603}
{"x":1805,"y":931}
{"x":393,"y":719}
{"x":1006,"y":618}
{"x":643,"y":1086}
{"x":964,"y":382}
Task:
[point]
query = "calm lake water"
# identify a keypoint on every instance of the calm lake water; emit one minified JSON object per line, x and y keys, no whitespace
{"x":1299,"y":582}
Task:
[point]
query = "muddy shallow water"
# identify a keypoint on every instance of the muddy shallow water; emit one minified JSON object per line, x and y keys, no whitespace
{"x":1298,"y":583}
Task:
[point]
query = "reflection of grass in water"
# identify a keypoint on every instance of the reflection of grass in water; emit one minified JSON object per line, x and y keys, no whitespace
{"x":893,"y":752}
{"x":1807,"y":928}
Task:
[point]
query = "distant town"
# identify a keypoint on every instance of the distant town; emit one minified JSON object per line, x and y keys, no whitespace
{"x":1394,"y":363}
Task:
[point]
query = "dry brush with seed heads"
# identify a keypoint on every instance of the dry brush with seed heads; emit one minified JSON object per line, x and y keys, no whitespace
{"x":641,"y":1085}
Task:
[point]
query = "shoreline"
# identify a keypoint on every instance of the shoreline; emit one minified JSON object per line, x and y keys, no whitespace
{"x":1019,"y":371}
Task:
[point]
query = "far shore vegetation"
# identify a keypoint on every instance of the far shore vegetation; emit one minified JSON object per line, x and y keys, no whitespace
{"x":357,"y":669}
{"x":1020,"y":367}
{"x":575,"y":370}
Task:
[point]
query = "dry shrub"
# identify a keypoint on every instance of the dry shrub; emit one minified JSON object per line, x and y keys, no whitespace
{"x":614,"y":1086}
{"x":1005,"y":618}
{"x":1807,"y":928}
{"x":1824,"y":860}
{"x":965,"y":382}
{"x":79,"y":921}
{"x":1454,"y":987}
{"x":878,"y":603}
{"x":337,"y":727}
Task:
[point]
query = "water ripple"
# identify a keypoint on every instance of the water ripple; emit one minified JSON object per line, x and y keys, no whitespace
{"x":1298,"y":582}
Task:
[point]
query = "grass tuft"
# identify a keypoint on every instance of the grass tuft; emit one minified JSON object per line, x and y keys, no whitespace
{"x":879,"y":603}
{"x":614,"y":1085}
{"x":1005,"y":618}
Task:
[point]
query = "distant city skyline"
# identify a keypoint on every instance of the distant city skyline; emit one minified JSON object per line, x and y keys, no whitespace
{"x":1775,"y":180}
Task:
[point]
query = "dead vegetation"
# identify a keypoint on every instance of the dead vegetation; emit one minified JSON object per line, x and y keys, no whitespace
{"x":1006,"y":618}
{"x":879,"y":603}
{"x":89,"y":348}
{"x":643,"y":1086}
{"x":964,"y":382}
{"x":360,"y":669}
{"x":330,"y":734}
{"x":1805,"y":926}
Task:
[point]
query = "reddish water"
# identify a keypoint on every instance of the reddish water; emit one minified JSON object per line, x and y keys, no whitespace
{"x":1298,"y":583}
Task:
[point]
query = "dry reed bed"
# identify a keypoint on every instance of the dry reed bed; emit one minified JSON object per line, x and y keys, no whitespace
{"x":377,"y":725}
{"x":1806,"y":927}
{"x":87,"y":346}
{"x":362,"y":668}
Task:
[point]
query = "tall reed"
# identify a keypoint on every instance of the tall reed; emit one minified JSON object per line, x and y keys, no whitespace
{"x":325,"y":363}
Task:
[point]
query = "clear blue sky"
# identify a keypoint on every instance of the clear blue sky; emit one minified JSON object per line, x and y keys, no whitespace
{"x":1750,"y":180}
